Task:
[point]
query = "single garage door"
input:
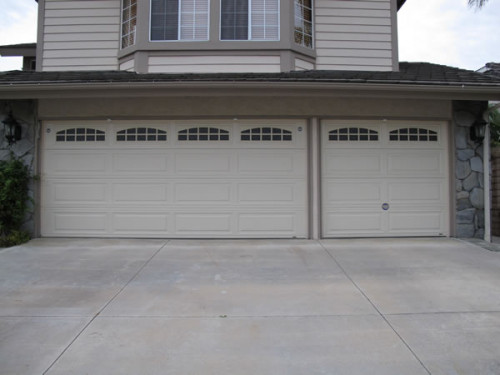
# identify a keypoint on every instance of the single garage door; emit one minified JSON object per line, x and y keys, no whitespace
{"x":196,"y":179}
{"x":384,"y":178}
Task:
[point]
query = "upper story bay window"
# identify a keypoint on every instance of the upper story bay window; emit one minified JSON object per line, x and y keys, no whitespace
{"x":129,"y":22}
{"x":250,"y":20}
{"x":303,"y":30}
{"x":183,"y":20}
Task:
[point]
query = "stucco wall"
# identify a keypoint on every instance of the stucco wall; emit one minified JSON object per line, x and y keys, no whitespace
{"x":24,"y":113}
{"x":239,"y":105}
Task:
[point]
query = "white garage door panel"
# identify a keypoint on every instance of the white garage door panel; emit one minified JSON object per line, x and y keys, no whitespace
{"x":203,"y":162}
{"x":345,"y":191}
{"x":203,"y":224}
{"x":417,"y":223}
{"x":172,"y":187}
{"x":65,"y":192}
{"x":429,"y":191}
{"x":140,"y":223}
{"x":345,"y":223}
{"x":387,"y":185}
{"x":140,"y":192}
{"x":273,"y":162}
{"x":202,"y":193}
{"x":78,"y":163}
{"x":139,"y":162}
{"x":78,"y":222}
{"x":284,"y":193}
{"x":264,"y":224}
{"x":351,"y":162}
{"x":428,"y":163}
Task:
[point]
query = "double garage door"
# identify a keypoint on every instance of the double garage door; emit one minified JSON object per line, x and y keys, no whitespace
{"x":200,"y":179}
{"x":241,"y":179}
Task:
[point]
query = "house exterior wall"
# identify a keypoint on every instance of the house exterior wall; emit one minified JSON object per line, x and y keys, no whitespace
{"x":80,"y":35}
{"x":179,"y":63}
{"x":355,"y":35}
{"x":85,"y":35}
{"x":466,"y":193}
{"x":240,"y":105}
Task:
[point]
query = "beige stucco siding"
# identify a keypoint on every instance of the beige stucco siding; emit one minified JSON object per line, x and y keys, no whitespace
{"x":81,"y":35}
{"x":242,"y":106}
{"x":354,"y":35}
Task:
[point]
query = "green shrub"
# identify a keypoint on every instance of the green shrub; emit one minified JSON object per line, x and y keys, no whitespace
{"x":14,"y":238}
{"x":495,"y":128}
{"x":15,"y":177}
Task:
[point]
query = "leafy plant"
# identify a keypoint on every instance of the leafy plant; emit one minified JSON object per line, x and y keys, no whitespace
{"x":495,"y":127}
{"x":16,"y":237}
{"x":15,"y":177}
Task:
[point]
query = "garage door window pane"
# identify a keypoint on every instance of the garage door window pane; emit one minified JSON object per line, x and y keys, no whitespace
{"x":203,"y":134}
{"x":413,"y":135}
{"x":353,"y":134}
{"x":80,"y":135}
{"x":141,"y":134}
{"x":266,"y":134}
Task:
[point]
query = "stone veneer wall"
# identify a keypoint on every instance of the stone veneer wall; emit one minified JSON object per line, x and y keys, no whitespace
{"x":469,"y":177}
{"x":24,"y":112}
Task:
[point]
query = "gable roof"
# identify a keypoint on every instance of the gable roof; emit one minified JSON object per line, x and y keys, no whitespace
{"x":415,"y":76}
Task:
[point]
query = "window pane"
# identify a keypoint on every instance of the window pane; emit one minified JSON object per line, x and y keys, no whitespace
{"x":265,"y":19}
{"x":234,"y":19}
{"x":129,"y":20}
{"x":303,"y":23}
{"x":164,"y":19}
{"x":194,"y":20}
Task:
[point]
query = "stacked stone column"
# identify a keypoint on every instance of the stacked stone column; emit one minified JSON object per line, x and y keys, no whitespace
{"x":469,"y":177}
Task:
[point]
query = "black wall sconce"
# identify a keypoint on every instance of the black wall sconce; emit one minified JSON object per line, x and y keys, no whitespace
{"x":478,"y":130}
{"x":12,"y":129}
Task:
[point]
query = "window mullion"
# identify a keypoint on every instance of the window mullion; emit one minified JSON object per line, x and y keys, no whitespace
{"x":179,"y":19}
{"x":250,"y":10}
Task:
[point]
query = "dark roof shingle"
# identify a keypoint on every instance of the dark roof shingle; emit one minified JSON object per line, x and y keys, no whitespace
{"x":409,"y":74}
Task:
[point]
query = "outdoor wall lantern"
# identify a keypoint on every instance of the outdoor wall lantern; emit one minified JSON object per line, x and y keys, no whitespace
{"x":12,"y":129}
{"x":478,"y":130}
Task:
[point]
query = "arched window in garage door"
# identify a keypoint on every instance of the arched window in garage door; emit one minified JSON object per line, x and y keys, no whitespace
{"x":266,"y":133}
{"x":203,"y":133}
{"x":352,"y":134}
{"x":141,"y":134}
{"x":413,"y":134}
{"x":80,"y":135}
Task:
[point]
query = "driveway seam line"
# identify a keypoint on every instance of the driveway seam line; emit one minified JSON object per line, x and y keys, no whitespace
{"x":102,"y":308}
{"x":376,"y":309}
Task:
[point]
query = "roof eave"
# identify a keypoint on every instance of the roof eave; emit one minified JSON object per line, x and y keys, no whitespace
{"x":232,"y":88}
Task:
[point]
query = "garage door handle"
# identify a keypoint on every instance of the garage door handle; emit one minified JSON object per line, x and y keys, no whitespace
{"x":385,"y":206}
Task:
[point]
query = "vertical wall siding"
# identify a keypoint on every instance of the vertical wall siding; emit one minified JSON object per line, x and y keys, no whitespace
{"x":353,"y":35}
{"x":81,"y":35}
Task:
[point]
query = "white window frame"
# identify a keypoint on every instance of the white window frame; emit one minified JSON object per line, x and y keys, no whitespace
{"x":179,"y":25}
{"x":249,"y":31}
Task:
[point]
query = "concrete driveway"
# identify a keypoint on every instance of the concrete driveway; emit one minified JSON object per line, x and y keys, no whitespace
{"x":388,"y":306}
